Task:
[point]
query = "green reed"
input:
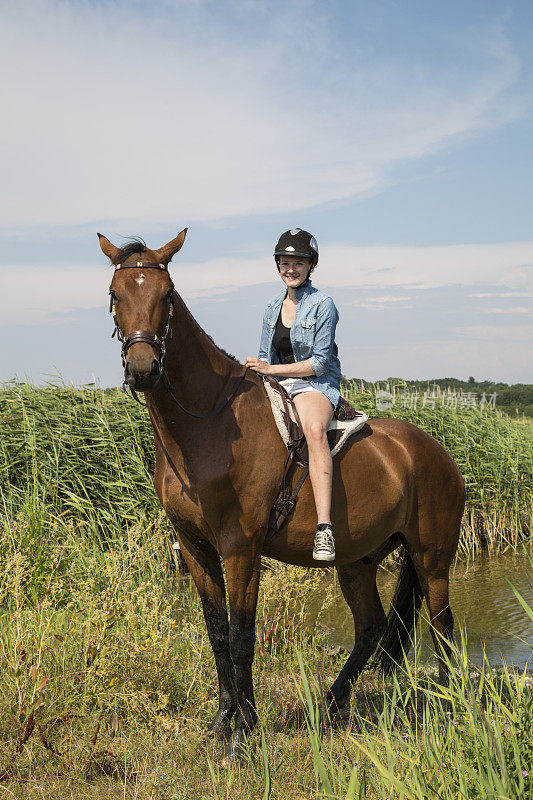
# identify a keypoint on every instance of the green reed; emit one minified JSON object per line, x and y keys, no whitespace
{"x":106,"y":674}
{"x":86,"y":455}
{"x":79,"y":453}
{"x":465,"y":741}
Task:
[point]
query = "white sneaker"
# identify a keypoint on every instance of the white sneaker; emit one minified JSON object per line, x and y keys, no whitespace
{"x":324,"y":549}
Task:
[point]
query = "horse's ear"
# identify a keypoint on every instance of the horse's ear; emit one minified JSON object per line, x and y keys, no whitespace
{"x":166,"y":252}
{"x":108,"y":249}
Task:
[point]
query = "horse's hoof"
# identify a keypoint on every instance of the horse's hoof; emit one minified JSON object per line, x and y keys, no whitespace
{"x":234,"y":750}
{"x":219,"y":729}
{"x":336,"y":714}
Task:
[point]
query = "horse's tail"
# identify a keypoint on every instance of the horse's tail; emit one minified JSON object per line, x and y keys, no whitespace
{"x":402,"y":617}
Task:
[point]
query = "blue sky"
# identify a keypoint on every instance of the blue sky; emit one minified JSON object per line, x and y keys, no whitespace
{"x":399,"y":133}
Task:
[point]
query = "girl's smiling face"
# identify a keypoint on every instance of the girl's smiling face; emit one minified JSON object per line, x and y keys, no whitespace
{"x":294,"y":270}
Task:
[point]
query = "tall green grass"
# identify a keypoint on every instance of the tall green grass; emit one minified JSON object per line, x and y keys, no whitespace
{"x":110,"y":677}
{"x":465,"y":741}
{"x":85,"y":456}
{"x":107,"y":682}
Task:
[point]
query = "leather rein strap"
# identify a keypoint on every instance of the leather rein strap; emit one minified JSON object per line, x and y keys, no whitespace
{"x":159,"y":342}
{"x":230,"y":393}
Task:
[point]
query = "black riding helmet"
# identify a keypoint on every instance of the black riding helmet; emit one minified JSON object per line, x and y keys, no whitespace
{"x":297,"y":242}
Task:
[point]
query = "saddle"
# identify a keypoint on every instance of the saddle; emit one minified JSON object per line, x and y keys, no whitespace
{"x":346,"y":421}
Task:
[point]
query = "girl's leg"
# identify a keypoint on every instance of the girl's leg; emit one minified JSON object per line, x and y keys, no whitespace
{"x":316,"y":412}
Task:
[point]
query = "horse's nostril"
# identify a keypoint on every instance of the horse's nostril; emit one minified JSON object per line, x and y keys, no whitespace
{"x":154,"y":370}
{"x":128,"y":375}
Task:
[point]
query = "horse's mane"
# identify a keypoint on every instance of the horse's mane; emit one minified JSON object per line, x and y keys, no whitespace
{"x":132,"y":246}
{"x":138,"y":245}
{"x":223,"y":351}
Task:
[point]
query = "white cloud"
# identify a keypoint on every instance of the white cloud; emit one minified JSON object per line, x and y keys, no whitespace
{"x":116,"y":112}
{"x":387,"y":298}
{"x":380,"y":303}
{"x":508,"y":265}
{"x":492,"y":295}
{"x":493,"y":333}
{"x":505,"y":264}
{"x":512,"y":310}
{"x":34,"y":295}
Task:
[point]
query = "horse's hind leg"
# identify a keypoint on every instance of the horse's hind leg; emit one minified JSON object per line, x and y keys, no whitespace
{"x":432,"y":551}
{"x":204,"y":564}
{"x":358,"y":585}
{"x":435,"y":585}
{"x":432,"y":539}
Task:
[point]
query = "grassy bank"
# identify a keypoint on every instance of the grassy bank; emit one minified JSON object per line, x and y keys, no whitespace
{"x":106,"y":676}
{"x":84,"y":457}
{"x":107,"y":684}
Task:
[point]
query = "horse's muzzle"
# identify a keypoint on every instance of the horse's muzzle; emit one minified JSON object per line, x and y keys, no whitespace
{"x":142,"y":377}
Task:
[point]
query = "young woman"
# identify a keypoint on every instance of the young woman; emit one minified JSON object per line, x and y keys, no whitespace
{"x":298,"y":348}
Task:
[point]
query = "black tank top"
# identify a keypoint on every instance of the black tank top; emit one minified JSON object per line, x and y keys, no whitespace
{"x":282,"y":342}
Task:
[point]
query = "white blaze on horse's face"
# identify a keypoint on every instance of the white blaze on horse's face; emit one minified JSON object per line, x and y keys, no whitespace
{"x":141,"y":304}
{"x":142,"y":301}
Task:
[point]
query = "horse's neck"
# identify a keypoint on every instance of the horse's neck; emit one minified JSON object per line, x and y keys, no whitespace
{"x":196,"y":368}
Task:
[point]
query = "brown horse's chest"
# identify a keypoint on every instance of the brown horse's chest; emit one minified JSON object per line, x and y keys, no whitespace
{"x":236,"y":478}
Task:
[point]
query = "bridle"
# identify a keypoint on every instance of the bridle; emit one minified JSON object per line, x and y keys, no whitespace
{"x":142,"y":336}
{"x":159,"y":342}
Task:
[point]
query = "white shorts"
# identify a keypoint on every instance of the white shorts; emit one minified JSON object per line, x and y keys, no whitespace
{"x":297,"y":385}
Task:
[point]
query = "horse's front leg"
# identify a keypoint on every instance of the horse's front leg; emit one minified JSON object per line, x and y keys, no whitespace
{"x":204,"y":564}
{"x":242,"y":575}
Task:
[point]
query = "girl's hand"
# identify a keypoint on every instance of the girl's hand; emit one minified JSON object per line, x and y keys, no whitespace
{"x":257,"y":365}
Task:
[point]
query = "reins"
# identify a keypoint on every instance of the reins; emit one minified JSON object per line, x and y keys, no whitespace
{"x":229,"y":396}
{"x":160,"y":343}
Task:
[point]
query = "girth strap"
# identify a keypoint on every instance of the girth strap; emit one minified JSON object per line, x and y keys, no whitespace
{"x":286,"y":499}
{"x":297,"y":456}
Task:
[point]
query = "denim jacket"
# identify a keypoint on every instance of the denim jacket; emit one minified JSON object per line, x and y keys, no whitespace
{"x":312,"y":337}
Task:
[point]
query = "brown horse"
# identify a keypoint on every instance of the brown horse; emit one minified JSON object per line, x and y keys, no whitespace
{"x":218,"y":458}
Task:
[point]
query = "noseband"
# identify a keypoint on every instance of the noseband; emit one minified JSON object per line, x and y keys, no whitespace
{"x":141,"y":336}
{"x":159,"y":342}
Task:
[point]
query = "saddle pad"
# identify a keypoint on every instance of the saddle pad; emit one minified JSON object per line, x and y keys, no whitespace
{"x":338,"y":432}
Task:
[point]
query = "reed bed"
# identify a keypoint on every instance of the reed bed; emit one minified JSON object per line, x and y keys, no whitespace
{"x":84,"y":456}
{"x":106,"y":675}
{"x":465,"y":741}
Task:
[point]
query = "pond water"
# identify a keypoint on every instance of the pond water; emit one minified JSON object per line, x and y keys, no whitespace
{"x":482,"y":602}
